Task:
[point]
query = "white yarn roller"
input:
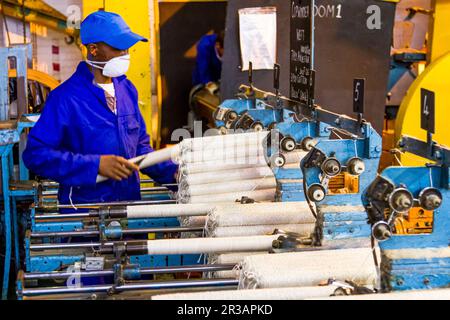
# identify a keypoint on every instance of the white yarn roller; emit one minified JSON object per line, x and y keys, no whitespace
{"x":151,"y":159}
{"x":437,"y":294}
{"x":308,"y":268}
{"x":233,"y":274}
{"x":235,"y":186}
{"x":229,"y":175}
{"x":277,"y":213}
{"x":303,"y":230}
{"x":224,"y":140}
{"x":292,"y":158}
{"x":210,"y":245}
{"x":259,"y":195}
{"x":260,"y":294}
{"x":228,"y":164}
{"x":230,"y":258}
{"x":222,"y":155}
{"x":168,"y":211}
{"x":193,"y":222}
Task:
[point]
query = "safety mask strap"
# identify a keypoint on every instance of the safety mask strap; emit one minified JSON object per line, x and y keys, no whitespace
{"x":94,"y":64}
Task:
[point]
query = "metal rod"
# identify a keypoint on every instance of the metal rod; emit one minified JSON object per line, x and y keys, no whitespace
{"x":155,"y":190}
{"x":145,"y":271}
{"x":66,"y":216}
{"x":124,"y":232}
{"x":132,"y":287}
{"x":65,"y":234}
{"x":115,"y":204}
{"x":42,"y":247}
{"x":160,"y":230}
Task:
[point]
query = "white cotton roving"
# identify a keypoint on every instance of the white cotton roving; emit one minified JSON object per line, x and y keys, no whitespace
{"x":210,"y":245}
{"x":311,"y":268}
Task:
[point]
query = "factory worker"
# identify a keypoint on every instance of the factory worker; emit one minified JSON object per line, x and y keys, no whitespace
{"x":91,"y":123}
{"x":208,"y":66}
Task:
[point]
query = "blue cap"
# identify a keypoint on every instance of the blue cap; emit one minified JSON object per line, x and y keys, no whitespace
{"x":110,"y":28}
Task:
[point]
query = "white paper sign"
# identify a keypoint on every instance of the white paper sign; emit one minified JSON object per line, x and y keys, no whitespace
{"x":258,"y":37}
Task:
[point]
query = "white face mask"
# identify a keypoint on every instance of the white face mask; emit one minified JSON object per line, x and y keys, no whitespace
{"x":113,"y":68}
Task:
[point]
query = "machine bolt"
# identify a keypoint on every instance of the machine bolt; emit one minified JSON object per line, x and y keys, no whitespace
{"x":317,"y":193}
{"x":430,"y":199}
{"x":288,"y":144}
{"x":331,"y":167}
{"x":356,"y":166}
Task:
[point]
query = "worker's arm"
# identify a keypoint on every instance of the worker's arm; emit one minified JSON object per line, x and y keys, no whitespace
{"x":162,"y":173}
{"x":45,"y":155}
{"x":203,"y":72}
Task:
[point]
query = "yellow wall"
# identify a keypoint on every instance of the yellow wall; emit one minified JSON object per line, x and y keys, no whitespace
{"x":440,"y":35}
{"x":136,"y":14}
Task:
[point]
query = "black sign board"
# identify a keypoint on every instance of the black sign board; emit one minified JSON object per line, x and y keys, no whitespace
{"x":250,"y":73}
{"x":428,"y":110}
{"x":276,"y":76}
{"x":301,"y":54}
{"x":359,"y":86}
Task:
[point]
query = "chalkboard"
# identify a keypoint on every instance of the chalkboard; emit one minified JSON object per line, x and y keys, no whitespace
{"x":352,"y":41}
{"x":301,"y":53}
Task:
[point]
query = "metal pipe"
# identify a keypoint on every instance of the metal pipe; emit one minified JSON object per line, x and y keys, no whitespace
{"x":152,"y":190}
{"x":124,"y":232}
{"x":43,"y":247}
{"x":160,"y":230}
{"x":132,"y":287}
{"x":115,"y":204}
{"x":66,"y":216}
{"x":155,"y":190}
{"x":145,"y":271}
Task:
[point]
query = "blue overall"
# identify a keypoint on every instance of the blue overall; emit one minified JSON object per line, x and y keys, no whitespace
{"x":77,"y":127}
{"x":208,"y":66}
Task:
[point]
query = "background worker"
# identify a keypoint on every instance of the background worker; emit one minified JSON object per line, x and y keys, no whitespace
{"x":208,"y":66}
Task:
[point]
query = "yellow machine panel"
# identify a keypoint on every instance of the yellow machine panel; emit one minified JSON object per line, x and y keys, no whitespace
{"x":435,"y":78}
{"x":418,"y":221}
{"x":343,"y":184}
{"x":136,"y":14}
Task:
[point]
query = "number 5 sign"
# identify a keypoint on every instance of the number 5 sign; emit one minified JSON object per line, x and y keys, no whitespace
{"x":358,"y":95}
{"x":428,"y":110}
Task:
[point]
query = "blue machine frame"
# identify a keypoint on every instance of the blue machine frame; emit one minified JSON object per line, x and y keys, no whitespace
{"x":413,"y":261}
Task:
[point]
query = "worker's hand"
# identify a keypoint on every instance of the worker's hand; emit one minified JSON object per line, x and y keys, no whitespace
{"x":212,"y":87}
{"x":116,"y":168}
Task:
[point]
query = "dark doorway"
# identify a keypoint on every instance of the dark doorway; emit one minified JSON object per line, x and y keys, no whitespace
{"x":181,"y":27}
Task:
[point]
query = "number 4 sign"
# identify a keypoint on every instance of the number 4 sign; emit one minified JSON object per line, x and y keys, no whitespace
{"x":428,"y":110}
